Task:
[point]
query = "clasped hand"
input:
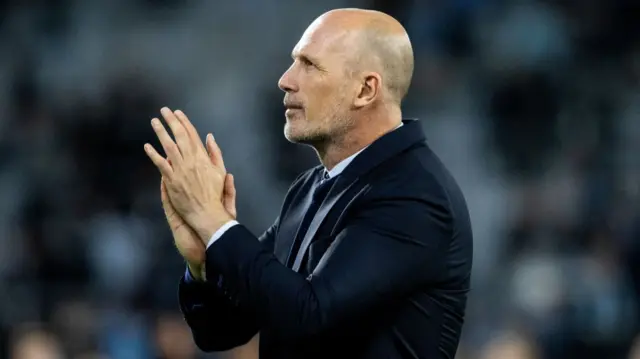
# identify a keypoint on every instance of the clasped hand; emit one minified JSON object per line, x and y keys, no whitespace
{"x":194,"y":184}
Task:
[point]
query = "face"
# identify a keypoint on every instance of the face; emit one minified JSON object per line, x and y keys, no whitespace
{"x":318,"y":87}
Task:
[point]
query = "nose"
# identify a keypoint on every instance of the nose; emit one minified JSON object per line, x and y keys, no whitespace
{"x":286,"y":82}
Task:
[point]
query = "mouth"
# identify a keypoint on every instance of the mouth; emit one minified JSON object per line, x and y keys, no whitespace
{"x":292,"y":105}
{"x":292,"y":108}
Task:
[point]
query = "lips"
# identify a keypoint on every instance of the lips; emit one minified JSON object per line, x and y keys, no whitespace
{"x":292,"y":105}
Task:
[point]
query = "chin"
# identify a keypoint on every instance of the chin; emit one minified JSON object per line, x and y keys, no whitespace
{"x":291,"y":134}
{"x":296,"y":133}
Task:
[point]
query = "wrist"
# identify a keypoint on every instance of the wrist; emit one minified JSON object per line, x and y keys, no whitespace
{"x":209,"y":225}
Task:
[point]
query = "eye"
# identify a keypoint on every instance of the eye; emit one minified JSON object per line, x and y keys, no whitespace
{"x":305,"y":61}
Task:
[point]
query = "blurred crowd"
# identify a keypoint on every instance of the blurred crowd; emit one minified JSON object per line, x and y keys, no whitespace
{"x":533,"y":105}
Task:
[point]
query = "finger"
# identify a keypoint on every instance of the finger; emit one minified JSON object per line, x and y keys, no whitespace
{"x":161,"y":163}
{"x":191,"y":130}
{"x":215,"y":153}
{"x":170,"y":147}
{"x":179,"y":132}
{"x":230,"y":187}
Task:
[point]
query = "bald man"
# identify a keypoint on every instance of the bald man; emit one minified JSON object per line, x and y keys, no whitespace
{"x":370,"y":256}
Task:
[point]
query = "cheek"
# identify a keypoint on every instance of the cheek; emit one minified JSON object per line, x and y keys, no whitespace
{"x":323,"y":101}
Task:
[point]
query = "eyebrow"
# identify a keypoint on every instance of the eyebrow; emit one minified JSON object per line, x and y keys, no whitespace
{"x":295,"y":55}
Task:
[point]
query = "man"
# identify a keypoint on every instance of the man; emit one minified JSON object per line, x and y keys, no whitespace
{"x":370,"y":256}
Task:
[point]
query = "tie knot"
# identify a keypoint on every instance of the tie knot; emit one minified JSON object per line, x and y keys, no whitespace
{"x":325,"y":175}
{"x":322,"y":189}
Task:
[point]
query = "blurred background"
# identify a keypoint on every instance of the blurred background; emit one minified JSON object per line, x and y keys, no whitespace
{"x":533,"y":105}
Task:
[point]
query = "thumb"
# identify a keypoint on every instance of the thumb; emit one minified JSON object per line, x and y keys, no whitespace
{"x":163,"y":190}
{"x":230,"y":195}
{"x":164,"y":195}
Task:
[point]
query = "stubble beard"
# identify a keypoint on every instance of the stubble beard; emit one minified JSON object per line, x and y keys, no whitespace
{"x":328,"y":131}
{"x":333,"y":126}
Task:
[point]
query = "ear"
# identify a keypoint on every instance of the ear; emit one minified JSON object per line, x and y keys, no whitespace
{"x":369,"y":89}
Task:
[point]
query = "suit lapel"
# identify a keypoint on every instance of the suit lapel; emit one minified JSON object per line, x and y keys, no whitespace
{"x":290,"y":222}
{"x":339,"y":188}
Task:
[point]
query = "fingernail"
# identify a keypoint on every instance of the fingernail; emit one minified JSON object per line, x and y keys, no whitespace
{"x":210,"y":136}
{"x":155,"y":122}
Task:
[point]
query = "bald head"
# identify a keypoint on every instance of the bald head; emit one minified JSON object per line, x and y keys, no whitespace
{"x":373,"y":41}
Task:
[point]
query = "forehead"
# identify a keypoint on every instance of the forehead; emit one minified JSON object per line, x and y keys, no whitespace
{"x":321,"y":41}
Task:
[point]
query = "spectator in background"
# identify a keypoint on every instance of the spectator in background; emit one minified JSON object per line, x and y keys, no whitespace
{"x":36,"y":344}
{"x":510,"y":345}
{"x":634,"y":352}
{"x":173,"y":338}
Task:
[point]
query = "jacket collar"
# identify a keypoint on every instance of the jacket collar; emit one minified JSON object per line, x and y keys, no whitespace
{"x":386,"y":147}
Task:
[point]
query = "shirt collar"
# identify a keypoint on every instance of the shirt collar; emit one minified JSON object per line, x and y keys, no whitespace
{"x":337,"y":169}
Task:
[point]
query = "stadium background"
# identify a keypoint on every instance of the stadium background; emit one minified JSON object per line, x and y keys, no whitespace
{"x":533,"y":105}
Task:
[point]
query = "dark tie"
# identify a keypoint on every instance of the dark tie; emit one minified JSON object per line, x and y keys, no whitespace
{"x":320,"y":192}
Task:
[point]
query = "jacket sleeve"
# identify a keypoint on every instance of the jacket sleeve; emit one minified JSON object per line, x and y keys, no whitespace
{"x":391,"y":246}
{"x":217,"y":321}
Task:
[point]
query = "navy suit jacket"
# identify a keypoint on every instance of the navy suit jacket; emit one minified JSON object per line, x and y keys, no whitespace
{"x":383,"y":271}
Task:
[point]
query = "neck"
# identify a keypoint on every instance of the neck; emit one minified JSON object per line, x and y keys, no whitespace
{"x":363,"y":133}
